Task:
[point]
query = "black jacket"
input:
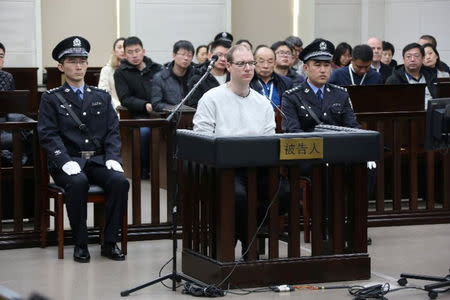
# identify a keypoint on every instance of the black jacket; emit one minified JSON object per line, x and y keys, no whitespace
{"x":399,"y":77}
{"x":385,"y":71}
{"x":209,"y":83}
{"x":282,"y":84}
{"x":134,"y":87}
{"x":169,"y":89}
{"x":334,"y":109}
{"x":61,"y":136}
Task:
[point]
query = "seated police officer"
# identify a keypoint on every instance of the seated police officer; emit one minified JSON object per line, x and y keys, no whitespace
{"x":316,"y":101}
{"x":79,"y":130}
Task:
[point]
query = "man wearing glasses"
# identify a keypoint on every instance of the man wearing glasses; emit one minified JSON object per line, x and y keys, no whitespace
{"x":234,"y":109}
{"x":170,"y":84}
{"x":283,"y":61}
{"x":413,"y":71}
{"x":76,"y":157}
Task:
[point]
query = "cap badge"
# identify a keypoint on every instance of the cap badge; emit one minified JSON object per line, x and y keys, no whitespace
{"x":224,"y":34}
{"x":76,"y":42}
{"x":323,"y":46}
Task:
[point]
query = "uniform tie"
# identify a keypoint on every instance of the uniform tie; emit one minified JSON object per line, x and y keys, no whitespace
{"x":79,"y":94}
{"x":319,"y":94}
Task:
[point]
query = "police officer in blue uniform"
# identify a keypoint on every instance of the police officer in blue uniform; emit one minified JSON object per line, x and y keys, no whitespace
{"x":82,"y":155}
{"x":315,"y":100}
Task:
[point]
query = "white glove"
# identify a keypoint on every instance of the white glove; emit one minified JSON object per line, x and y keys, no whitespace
{"x":112,"y":164}
{"x":371,"y":165}
{"x":71,"y":168}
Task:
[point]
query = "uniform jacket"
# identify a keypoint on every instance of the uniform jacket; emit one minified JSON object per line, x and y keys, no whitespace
{"x":60,"y":136}
{"x":168,"y":90}
{"x":334,"y":109}
{"x":209,"y":83}
{"x":399,"y":77}
{"x":134,"y":87}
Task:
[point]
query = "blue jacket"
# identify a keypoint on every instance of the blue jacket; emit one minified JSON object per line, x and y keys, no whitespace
{"x":60,"y":136}
{"x":334,"y":109}
{"x":342,"y":78}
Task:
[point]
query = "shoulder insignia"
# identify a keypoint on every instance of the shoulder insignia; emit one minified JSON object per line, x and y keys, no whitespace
{"x":94,"y":88}
{"x":337,"y":87}
{"x":54,"y":90}
{"x":292,"y":90}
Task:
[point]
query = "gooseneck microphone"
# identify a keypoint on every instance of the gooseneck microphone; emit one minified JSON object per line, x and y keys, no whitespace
{"x":214,"y":58}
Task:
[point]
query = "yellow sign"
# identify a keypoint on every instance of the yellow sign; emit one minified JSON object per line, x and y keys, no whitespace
{"x":301,"y":148}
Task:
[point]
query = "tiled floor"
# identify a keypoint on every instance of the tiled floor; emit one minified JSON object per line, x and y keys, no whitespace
{"x":410,"y":249}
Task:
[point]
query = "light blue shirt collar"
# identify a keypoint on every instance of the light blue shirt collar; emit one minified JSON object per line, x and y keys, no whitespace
{"x":74,"y":89}
{"x":315,"y":89}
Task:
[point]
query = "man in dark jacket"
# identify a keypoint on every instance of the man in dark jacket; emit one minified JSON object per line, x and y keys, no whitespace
{"x":283,"y":58}
{"x":413,"y":71}
{"x":78,"y":158}
{"x":133,"y":79}
{"x":266,"y":81}
{"x":359,"y":71}
{"x":329,"y":103}
{"x":218,"y":75}
{"x":171,"y":84}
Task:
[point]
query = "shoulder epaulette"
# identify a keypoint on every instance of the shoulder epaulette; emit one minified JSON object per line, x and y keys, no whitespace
{"x":54,"y":89}
{"x":97,"y":89}
{"x":338,"y":87}
{"x":294,"y":89}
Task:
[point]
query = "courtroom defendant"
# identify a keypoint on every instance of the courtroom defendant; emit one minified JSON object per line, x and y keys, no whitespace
{"x":234,"y":109}
{"x":82,"y":154}
{"x":316,"y":101}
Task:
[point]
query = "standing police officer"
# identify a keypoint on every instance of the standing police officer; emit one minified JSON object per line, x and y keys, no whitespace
{"x":87,"y":154}
{"x":315,"y":100}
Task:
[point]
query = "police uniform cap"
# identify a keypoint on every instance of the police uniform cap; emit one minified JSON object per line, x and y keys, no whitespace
{"x":319,"y":49}
{"x":225,"y":36}
{"x":71,"y":46}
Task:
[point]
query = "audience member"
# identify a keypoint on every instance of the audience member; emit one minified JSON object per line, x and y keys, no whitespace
{"x":218,"y":75}
{"x":245,"y":43}
{"x":316,"y":101}
{"x":413,"y":71}
{"x":427,"y":39}
{"x":388,"y":53}
{"x":377,"y":47}
{"x":342,"y":56}
{"x":297,"y":46}
{"x":6,"y":79}
{"x":201,"y":54}
{"x":283,"y":58}
{"x":171,"y":85}
{"x":266,"y":81}
{"x":358,"y":72}
{"x":76,"y":157}
{"x":432,"y":61}
{"x":133,"y":79}
{"x":235,"y":109}
{"x":106,"y":80}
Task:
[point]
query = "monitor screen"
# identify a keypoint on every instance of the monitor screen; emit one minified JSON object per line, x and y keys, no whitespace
{"x":438,"y":124}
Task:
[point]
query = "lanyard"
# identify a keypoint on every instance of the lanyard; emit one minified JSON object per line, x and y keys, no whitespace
{"x":350,"y":71}
{"x":270,"y":88}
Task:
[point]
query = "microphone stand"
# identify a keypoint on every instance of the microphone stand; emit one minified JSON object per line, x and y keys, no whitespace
{"x":174,"y":275}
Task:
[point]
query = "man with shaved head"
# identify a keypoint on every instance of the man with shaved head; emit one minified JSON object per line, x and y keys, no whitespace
{"x":377,"y":47}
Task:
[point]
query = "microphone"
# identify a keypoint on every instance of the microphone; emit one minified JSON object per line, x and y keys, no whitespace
{"x":214,"y":58}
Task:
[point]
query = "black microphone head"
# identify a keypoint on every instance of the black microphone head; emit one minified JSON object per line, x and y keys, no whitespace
{"x":214,"y":57}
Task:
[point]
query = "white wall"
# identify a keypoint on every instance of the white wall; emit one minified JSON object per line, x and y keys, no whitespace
{"x":397,"y":21}
{"x":18,"y":32}
{"x":159,"y":24}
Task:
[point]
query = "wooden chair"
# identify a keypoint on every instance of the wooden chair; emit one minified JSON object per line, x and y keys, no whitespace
{"x":51,"y":190}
